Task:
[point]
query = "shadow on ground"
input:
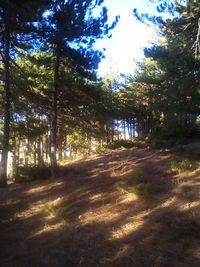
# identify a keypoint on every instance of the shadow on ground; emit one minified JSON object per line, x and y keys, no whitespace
{"x":81,"y":219}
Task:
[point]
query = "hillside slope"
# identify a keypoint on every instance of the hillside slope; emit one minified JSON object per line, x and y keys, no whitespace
{"x":122,"y":208}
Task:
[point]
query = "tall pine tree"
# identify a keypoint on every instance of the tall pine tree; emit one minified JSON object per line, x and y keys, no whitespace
{"x":73,"y":30}
{"x":19,"y":20}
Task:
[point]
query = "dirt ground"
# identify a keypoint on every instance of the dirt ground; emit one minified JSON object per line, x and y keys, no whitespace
{"x":83,"y":219}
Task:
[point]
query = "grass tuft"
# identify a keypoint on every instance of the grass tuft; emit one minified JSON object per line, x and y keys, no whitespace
{"x":55,"y":210}
{"x":9,"y":220}
{"x":179,"y":166}
{"x":136,"y":186}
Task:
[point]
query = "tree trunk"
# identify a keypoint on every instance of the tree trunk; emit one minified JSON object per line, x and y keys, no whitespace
{"x":124,"y":128}
{"x":60,"y":144}
{"x":118,"y":132}
{"x":26,"y":152}
{"x":39,"y":152}
{"x":47,"y":148}
{"x":65,"y":146}
{"x":16,"y":159}
{"x":54,"y":117}
{"x":6,"y":129}
{"x":42,"y":150}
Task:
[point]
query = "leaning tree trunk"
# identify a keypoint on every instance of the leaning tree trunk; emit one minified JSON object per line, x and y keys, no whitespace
{"x":6,"y":128}
{"x":54,"y":117}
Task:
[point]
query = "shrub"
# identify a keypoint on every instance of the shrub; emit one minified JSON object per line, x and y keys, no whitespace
{"x":9,"y":220}
{"x":136,"y":186}
{"x":179,"y":166}
{"x":125,"y":143}
{"x":122,"y":187}
{"x":70,"y":169}
{"x":142,"y":189}
{"x":192,"y":150}
{"x":27,"y":173}
{"x":163,"y":143}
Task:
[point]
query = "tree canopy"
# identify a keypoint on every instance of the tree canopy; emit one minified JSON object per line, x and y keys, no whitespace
{"x":52,"y":103}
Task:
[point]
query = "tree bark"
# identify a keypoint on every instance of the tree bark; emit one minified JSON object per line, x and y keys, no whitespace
{"x":54,"y":117}
{"x":6,"y":129}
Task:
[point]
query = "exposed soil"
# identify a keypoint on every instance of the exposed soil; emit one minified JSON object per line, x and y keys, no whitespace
{"x":83,"y":219}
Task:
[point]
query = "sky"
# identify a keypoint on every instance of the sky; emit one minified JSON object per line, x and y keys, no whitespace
{"x":129,"y":37}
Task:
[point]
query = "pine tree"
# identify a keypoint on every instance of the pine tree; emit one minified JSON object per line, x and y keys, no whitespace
{"x":17,"y":23}
{"x":73,"y":30}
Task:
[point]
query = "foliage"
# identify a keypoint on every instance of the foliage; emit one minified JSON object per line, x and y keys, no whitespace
{"x":192,"y":150}
{"x":71,"y":169}
{"x":58,"y":107}
{"x":125,"y":144}
{"x":179,"y":166}
{"x":164,"y":92}
{"x":9,"y":220}
{"x":55,"y":210}
{"x":26,"y":173}
{"x":136,"y":186}
{"x":50,"y":65}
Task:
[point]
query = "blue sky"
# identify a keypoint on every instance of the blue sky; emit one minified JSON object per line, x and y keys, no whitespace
{"x":128,"y":38}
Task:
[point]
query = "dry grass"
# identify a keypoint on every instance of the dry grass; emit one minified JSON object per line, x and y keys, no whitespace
{"x":81,"y":219}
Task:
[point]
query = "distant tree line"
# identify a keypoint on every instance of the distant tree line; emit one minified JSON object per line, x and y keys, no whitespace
{"x":52,"y":103}
{"x":47,"y":71}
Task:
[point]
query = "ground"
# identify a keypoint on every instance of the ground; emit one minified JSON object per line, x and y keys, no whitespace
{"x":87,"y":218}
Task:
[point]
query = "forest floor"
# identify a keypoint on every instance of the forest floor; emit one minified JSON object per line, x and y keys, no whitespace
{"x":90,"y":217}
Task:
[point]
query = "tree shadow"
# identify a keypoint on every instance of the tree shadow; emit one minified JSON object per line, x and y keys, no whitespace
{"x":82,"y":220}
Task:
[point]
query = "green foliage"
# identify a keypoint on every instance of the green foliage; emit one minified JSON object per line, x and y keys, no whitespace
{"x":121,"y":187}
{"x":71,"y":169}
{"x":27,"y":173}
{"x":52,"y":54}
{"x":79,"y":141}
{"x":179,"y":166}
{"x":160,"y":101}
{"x":136,"y":186}
{"x":125,"y":143}
{"x":101,"y":149}
{"x":164,"y":93}
{"x":159,"y":141}
{"x":9,"y":220}
{"x":142,"y":189}
{"x":192,"y":150}
{"x":55,"y":210}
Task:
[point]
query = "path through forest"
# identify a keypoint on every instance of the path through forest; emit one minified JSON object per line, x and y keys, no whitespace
{"x":87,"y":218}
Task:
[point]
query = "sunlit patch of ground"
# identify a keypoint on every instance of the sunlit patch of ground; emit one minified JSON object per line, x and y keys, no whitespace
{"x":82,"y":219}
{"x":50,"y":227}
{"x":42,"y":188}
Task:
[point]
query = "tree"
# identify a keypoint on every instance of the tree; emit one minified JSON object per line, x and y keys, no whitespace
{"x":175,"y":73}
{"x":74,"y":29}
{"x":186,"y":18}
{"x":17,"y":24}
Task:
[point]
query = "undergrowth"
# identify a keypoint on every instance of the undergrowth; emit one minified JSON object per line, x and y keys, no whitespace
{"x":136,"y":185}
{"x":70,"y":169}
{"x":9,"y":220}
{"x":179,"y":166}
{"x":55,"y":210}
{"x":30,"y":173}
{"x":125,"y":144}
